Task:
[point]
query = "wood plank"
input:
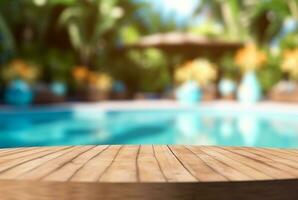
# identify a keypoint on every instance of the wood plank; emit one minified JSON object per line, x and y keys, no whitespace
{"x":173,"y":170}
{"x":124,"y":166}
{"x":68,"y":170}
{"x":20,"y":154}
{"x":149,"y":164}
{"x":14,"y":149}
{"x":149,"y":170}
{"x":280,"y":154}
{"x":294,"y":150}
{"x":276,"y":157}
{"x":47,"y":168}
{"x":235,"y":164}
{"x":220,"y":167}
{"x":195,"y":165}
{"x":15,"y":162}
{"x":268,"y":160}
{"x":6,"y":152}
{"x":30,"y":165}
{"x":95,"y":167}
{"x":258,"y":165}
{"x":286,"y":152}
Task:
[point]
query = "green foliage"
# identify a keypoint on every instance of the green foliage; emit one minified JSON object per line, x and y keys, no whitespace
{"x":129,"y":35}
{"x":290,"y":41}
{"x":58,"y":65}
{"x":7,"y":43}
{"x":209,"y":29}
{"x":267,"y":18}
{"x":228,"y":13}
{"x":59,"y":34}
{"x":254,"y":19}
{"x":271,"y":74}
{"x":228,"y":67}
{"x":143,"y":70}
{"x":87,"y":22}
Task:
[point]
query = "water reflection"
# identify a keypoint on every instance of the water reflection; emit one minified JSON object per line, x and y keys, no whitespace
{"x":191,"y":129}
{"x":156,"y":127}
{"x":249,"y":128}
{"x":227,"y":128}
{"x":242,"y":130}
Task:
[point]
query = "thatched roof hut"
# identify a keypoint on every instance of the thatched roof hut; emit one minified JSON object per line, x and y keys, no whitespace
{"x":187,"y":44}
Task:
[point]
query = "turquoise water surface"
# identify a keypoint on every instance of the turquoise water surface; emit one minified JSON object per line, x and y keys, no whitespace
{"x":187,"y":127}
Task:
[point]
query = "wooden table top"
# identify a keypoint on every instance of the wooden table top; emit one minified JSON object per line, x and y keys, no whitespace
{"x":135,"y":164}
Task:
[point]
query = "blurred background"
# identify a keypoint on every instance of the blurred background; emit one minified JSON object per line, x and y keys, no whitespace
{"x":53,"y":51}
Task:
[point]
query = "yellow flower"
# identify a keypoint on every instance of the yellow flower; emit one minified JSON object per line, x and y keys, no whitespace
{"x":204,"y":72}
{"x":92,"y":78}
{"x":183,"y":73}
{"x":20,"y":69}
{"x":105,"y":82}
{"x":200,"y":70}
{"x":250,"y":58}
{"x":80,"y":73}
{"x":290,"y":63}
{"x":100,"y":81}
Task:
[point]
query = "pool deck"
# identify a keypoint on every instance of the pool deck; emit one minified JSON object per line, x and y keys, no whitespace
{"x":263,"y":106}
{"x":148,"y":172}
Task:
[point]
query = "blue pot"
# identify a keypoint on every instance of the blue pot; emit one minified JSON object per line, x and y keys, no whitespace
{"x":18,"y":93}
{"x":119,"y":87}
{"x":189,"y":93}
{"x":227,"y":87}
{"x":58,"y":89}
{"x":249,"y":90}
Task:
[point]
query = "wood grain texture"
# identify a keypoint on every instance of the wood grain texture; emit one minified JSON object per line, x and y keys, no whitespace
{"x":149,"y":169}
{"x":171,"y":167}
{"x":124,"y":166}
{"x":159,"y":163}
{"x":95,"y":168}
{"x":148,"y":172}
{"x":195,"y":165}
{"x":222,"y":168}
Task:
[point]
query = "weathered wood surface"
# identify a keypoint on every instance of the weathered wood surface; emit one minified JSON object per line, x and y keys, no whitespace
{"x":148,"y":172}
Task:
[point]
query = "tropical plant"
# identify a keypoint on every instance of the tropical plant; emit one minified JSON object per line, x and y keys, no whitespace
{"x":290,"y":63}
{"x":30,"y":20}
{"x":250,"y":19}
{"x":57,"y":65}
{"x":200,"y":70}
{"x":270,"y":75}
{"x":87,"y":78}
{"x":7,"y":42}
{"x":87,"y":22}
{"x":290,"y":41}
{"x":250,"y":58}
{"x":151,"y":64}
{"x":266,"y":19}
{"x":228,"y":68}
{"x":20,"y":70}
{"x":226,"y":12}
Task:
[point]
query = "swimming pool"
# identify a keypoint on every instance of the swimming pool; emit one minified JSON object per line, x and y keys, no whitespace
{"x":205,"y":125}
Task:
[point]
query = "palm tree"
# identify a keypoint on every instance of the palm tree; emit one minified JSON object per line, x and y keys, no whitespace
{"x":7,"y":43}
{"x":226,"y":12}
{"x":87,"y":22}
{"x":264,"y":18}
{"x":29,"y":21}
{"x":293,"y":7}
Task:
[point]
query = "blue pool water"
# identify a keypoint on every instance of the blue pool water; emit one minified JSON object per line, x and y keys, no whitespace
{"x":187,"y":127}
